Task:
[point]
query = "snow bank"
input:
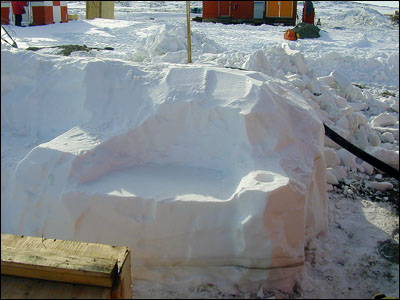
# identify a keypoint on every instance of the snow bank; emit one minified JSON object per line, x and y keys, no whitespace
{"x":203,"y":171}
{"x":338,"y":103}
{"x":362,"y":16}
{"x":370,"y":67}
{"x":169,"y":44}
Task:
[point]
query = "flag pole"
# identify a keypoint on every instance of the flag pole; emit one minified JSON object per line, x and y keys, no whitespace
{"x":189,"y":41}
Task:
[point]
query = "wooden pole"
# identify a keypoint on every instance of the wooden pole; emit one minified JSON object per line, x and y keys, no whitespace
{"x":189,"y":40}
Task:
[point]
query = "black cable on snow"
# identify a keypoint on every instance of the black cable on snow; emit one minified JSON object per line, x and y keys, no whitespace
{"x":361,"y":154}
{"x":14,"y":44}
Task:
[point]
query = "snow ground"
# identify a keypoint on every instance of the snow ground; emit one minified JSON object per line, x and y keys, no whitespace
{"x":356,"y":40}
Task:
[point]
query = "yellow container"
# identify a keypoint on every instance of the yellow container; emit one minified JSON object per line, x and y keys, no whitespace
{"x":72,"y":17}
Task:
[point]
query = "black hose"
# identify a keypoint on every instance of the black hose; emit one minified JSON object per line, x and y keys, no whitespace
{"x":14,"y":44}
{"x":362,"y":154}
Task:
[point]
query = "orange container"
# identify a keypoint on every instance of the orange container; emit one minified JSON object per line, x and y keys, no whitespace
{"x":245,"y":11}
{"x":233,"y":9}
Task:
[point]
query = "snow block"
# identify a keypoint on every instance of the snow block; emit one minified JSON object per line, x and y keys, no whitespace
{"x":383,"y":120}
{"x":387,"y":137}
{"x":367,"y":168}
{"x":331,"y":157}
{"x":203,"y":172}
{"x":362,"y":139}
{"x":347,"y":159}
{"x":391,"y":157}
{"x":380,"y":186}
{"x":342,"y":83}
{"x":330,"y":177}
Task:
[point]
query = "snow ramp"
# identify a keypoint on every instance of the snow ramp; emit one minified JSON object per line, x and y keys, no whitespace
{"x":205,"y":173}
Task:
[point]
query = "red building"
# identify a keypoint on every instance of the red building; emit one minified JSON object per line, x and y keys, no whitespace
{"x":251,"y":12}
{"x":37,"y":12}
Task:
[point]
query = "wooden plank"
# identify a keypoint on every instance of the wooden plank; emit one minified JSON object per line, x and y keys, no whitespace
{"x":122,"y":288}
{"x":26,"y":288}
{"x":126,"y":278}
{"x":65,"y":247}
{"x":107,"y":9}
{"x":67,"y":261}
{"x":92,"y":9}
{"x":50,"y":265}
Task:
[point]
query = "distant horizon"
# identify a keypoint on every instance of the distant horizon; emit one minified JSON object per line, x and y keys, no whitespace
{"x":394,"y":4}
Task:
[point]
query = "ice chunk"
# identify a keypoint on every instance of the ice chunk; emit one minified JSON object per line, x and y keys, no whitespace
{"x":347,"y":159}
{"x":388,"y":137}
{"x":380,"y":186}
{"x":367,"y":167}
{"x":383,"y":120}
{"x":331,"y":157}
{"x":330,"y":177}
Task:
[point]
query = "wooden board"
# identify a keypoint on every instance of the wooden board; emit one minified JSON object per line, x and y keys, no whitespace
{"x":92,"y":9}
{"x":122,"y":289}
{"x":99,"y":9}
{"x":68,"y":261}
{"x":50,"y":265}
{"x":107,"y":9}
{"x":25,"y":288}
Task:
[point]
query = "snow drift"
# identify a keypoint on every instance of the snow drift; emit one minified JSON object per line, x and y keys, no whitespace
{"x":194,"y":168}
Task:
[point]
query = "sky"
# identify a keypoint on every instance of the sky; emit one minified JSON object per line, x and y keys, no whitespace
{"x":382,"y":3}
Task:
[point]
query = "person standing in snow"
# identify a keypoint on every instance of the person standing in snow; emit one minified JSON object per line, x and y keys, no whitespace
{"x":19,"y":10}
{"x":308,"y":12}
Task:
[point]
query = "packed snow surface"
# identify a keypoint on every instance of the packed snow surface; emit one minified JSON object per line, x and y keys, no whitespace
{"x":211,"y":172}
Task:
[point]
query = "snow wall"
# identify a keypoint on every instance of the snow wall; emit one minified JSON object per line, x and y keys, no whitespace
{"x":205,"y":173}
